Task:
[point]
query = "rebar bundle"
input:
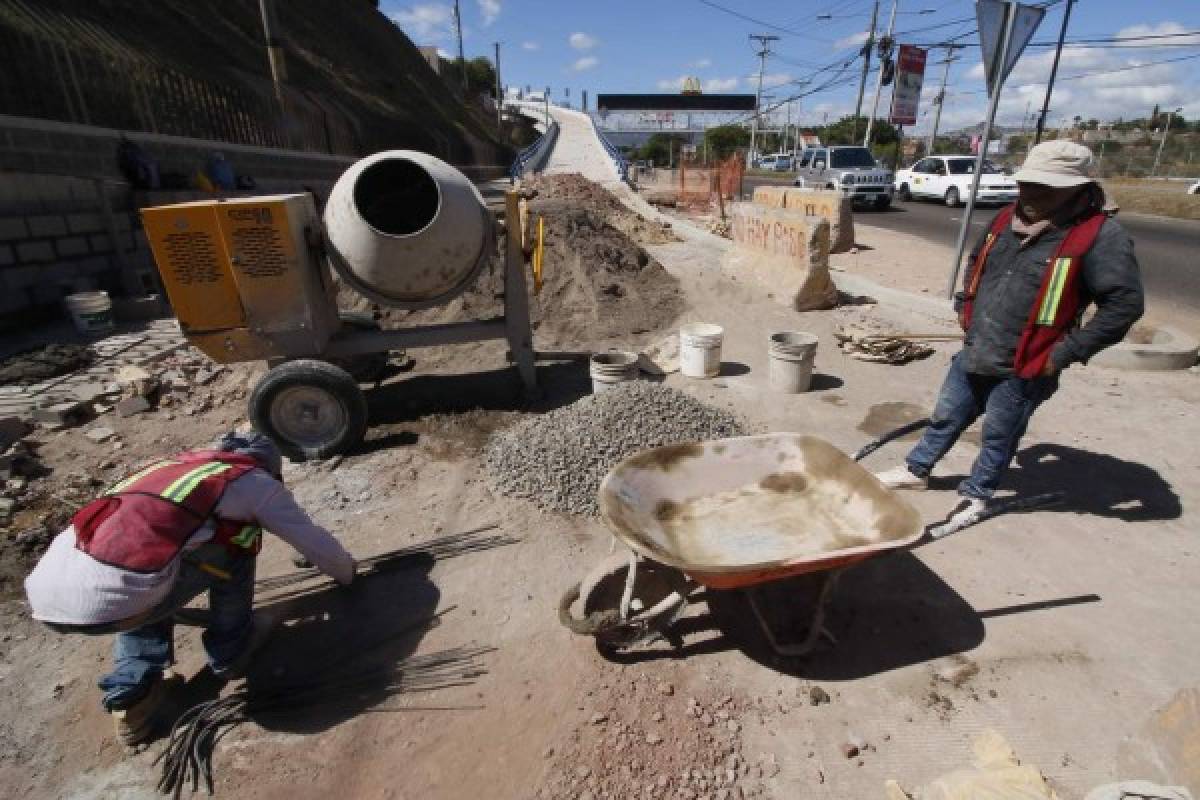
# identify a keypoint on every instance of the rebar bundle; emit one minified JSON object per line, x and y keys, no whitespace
{"x":187,"y":758}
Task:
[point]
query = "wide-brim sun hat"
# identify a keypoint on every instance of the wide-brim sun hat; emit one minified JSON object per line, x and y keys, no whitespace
{"x":1060,"y":164}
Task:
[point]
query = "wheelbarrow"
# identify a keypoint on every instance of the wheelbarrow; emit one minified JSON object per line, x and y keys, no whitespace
{"x":735,"y":514}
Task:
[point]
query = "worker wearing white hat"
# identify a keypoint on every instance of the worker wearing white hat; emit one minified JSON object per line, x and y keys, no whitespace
{"x":1041,"y":264}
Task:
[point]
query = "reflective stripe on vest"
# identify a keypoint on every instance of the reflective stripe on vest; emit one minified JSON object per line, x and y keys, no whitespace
{"x":178,"y":491}
{"x":137,"y":476}
{"x":247,"y":537}
{"x":1048,"y":311}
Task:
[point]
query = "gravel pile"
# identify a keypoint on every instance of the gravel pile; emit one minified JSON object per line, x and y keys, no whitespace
{"x":557,"y":460}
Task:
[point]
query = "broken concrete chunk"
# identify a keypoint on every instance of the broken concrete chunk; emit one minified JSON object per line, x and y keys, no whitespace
{"x":11,"y":429}
{"x":62,"y":414}
{"x":205,"y":376}
{"x":100,"y":434}
{"x":132,"y":405}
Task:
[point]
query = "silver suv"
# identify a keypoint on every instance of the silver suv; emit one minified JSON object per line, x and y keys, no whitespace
{"x":849,"y":170}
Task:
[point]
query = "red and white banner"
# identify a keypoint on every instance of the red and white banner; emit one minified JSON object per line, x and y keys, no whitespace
{"x":906,"y":93}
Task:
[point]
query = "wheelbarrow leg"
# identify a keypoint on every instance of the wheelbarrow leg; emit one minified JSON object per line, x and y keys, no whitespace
{"x":816,"y":627}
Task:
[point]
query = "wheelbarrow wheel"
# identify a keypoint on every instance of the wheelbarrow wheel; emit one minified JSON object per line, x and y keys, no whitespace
{"x":311,"y":409}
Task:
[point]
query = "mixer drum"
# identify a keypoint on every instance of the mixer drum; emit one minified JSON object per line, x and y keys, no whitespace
{"x":407,"y":230}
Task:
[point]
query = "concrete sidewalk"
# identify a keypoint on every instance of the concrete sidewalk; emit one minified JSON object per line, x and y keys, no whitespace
{"x":1062,"y":629}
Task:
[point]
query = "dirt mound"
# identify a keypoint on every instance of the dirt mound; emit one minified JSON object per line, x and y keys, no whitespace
{"x":45,"y":362}
{"x":577,"y":191}
{"x":600,"y":286}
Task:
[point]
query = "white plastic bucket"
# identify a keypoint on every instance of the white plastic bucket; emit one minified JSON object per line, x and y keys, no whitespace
{"x":700,"y":349}
{"x":92,"y":312}
{"x":612,"y":367}
{"x":792,"y":355}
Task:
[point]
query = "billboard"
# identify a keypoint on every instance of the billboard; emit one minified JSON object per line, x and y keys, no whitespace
{"x":906,"y":95}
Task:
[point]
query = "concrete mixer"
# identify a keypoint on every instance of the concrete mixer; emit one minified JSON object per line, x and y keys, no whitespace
{"x":250,"y":279}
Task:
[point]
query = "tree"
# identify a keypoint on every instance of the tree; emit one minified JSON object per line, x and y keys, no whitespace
{"x":723,"y":140}
{"x":481,"y":75}
{"x":660,"y":147}
{"x":843,"y":132}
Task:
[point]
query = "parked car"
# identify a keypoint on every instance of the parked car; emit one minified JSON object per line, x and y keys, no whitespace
{"x":779,"y":162}
{"x":1195,"y":188}
{"x":849,"y":170}
{"x":948,"y":178}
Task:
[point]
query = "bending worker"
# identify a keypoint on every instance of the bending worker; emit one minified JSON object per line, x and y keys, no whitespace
{"x":178,"y":527}
{"x":1041,"y":264}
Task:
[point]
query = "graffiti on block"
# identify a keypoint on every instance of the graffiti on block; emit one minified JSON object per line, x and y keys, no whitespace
{"x":770,"y":233}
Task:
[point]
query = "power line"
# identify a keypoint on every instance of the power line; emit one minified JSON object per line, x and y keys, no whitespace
{"x":761,"y":23}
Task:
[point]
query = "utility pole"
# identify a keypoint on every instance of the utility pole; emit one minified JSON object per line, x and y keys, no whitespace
{"x":1062,"y":34}
{"x":941,"y":100}
{"x":278,"y":67}
{"x":1163,"y":141}
{"x":862,"y":82}
{"x":879,"y":83}
{"x":764,"y":42}
{"x":499,"y":97}
{"x":461,"y":58}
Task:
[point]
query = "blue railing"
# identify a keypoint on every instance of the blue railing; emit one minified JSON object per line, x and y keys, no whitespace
{"x":619,"y":162}
{"x":534,"y":156}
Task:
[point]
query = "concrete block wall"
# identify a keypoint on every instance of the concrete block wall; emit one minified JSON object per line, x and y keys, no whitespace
{"x":69,"y":221}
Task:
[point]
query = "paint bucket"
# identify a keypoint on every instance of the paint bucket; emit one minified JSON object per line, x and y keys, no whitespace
{"x":700,"y":349}
{"x":792,"y":355}
{"x":92,"y":312}
{"x":612,"y":367}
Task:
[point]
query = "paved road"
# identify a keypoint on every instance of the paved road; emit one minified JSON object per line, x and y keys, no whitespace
{"x":1166,"y":248}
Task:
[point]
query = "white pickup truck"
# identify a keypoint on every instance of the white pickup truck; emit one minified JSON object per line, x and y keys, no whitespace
{"x":948,"y":178}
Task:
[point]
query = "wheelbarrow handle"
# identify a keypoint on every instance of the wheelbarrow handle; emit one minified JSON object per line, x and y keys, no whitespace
{"x":903,"y":430}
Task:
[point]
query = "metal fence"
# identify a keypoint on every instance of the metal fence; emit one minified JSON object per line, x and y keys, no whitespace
{"x":62,"y":68}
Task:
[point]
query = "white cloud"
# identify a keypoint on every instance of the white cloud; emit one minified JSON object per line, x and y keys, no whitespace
{"x":585,"y":63}
{"x":720,"y":84}
{"x":672,"y":84}
{"x":530,"y":46}
{"x":489,"y":9}
{"x":853,"y":40}
{"x":700,"y":63}
{"x":582,"y":41}
{"x":769,"y":81}
{"x":426,"y":22}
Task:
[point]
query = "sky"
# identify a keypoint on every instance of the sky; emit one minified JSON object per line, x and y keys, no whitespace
{"x":652,"y":45}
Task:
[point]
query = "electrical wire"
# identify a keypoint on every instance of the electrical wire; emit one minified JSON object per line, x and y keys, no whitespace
{"x":762,"y":23}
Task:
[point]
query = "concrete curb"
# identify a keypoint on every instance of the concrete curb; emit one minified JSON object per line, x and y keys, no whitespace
{"x":1171,"y":349}
{"x":922,"y":304}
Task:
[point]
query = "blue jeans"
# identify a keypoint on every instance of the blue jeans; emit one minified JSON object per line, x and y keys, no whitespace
{"x":1007,"y":403}
{"x":142,"y":654}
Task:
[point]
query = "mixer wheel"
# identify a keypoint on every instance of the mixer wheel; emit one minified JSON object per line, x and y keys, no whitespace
{"x":311,"y":409}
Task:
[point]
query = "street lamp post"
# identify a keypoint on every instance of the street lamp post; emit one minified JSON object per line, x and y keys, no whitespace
{"x":1163,"y":141}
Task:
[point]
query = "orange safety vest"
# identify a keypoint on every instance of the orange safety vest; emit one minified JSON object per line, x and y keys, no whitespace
{"x":142,"y":523}
{"x":1058,"y":305}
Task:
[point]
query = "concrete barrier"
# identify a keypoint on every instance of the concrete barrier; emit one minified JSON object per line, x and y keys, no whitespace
{"x":832,"y":206}
{"x":784,"y":250}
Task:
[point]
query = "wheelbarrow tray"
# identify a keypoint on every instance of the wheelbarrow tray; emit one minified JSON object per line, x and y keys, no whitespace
{"x":738,"y":512}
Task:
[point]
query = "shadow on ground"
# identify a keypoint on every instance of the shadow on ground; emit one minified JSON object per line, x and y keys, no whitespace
{"x":887,"y":613}
{"x":1095,"y":483}
{"x":337,"y":649}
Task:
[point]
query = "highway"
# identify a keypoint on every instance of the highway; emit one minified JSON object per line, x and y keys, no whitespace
{"x":1166,"y":248}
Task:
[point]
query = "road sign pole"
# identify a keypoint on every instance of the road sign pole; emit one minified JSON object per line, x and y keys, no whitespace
{"x":997,"y":83}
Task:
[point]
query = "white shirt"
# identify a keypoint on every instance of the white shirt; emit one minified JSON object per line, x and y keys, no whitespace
{"x":70,"y":587}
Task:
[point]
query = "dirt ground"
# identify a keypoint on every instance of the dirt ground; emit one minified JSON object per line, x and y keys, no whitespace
{"x":1063,"y":629}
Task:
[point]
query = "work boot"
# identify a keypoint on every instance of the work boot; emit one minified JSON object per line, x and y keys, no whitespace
{"x":136,"y":724}
{"x":902,"y":477}
{"x":968,"y":511}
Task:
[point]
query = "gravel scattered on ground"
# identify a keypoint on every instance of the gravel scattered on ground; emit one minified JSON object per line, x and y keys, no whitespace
{"x":558,"y":460}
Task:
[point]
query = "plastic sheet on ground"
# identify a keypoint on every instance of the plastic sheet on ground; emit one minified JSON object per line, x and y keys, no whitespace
{"x":997,"y":775}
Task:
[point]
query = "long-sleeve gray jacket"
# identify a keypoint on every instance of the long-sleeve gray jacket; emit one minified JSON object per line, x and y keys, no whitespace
{"x":1012,"y":278}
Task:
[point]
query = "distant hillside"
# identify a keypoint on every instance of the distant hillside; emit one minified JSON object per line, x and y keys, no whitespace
{"x":355,"y":83}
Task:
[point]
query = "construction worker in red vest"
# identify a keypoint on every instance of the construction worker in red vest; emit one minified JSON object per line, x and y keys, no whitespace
{"x":1041,"y":264}
{"x":176,"y":528}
